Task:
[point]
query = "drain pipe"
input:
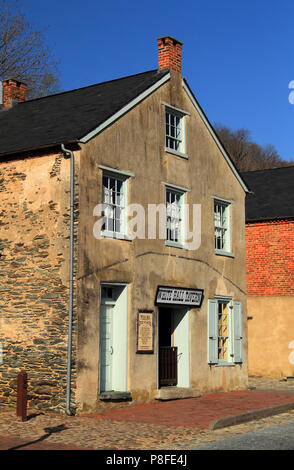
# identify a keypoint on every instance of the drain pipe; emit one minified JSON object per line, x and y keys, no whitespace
{"x":70,"y":304}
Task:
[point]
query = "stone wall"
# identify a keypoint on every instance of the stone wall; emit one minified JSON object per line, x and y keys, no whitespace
{"x":34,"y":272}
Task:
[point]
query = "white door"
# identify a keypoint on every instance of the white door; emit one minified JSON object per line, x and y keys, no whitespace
{"x":106,"y":347}
{"x":181,"y":339}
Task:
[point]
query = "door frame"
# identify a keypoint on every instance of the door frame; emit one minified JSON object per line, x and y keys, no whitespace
{"x":125,"y":292}
{"x":186,"y":311}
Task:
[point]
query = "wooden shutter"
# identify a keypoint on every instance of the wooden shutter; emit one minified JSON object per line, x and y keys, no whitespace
{"x":212,"y":332}
{"x":237,"y":311}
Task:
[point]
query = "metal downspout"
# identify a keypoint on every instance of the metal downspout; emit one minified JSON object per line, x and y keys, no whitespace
{"x":70,"y":304}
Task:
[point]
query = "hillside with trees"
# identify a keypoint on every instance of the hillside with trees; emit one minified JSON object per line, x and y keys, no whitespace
{"x":246,"y":154}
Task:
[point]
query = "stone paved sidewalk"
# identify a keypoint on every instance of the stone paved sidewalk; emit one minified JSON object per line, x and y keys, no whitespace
{"x":177,"y":425}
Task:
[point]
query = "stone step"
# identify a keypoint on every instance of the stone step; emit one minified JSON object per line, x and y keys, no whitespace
{"x":176,"y":393}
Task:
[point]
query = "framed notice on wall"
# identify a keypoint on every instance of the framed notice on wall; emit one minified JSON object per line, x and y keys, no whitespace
{"x":145,"y":332}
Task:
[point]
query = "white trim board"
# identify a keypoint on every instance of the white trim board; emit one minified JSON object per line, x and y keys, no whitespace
{"x":177,"y":188}
{"x":213,"y":134}
{"x":125,"y":109}
{"x":115,"y":170}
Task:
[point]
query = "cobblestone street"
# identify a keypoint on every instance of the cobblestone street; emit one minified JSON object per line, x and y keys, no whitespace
{"x":175,"y":425}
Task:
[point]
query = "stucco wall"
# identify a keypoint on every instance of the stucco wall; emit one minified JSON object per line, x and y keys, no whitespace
{"x":270,"y":288}
{"x":135,"y":144}
{"x":34,"y":272}
{"x":271,"y":336}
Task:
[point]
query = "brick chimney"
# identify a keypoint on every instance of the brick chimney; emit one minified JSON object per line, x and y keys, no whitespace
{"x":13,"y":91}
{"x":169,"y":53}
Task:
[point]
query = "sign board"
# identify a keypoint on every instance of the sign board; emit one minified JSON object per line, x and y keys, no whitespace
{"x":179,"y":296}
{"x":145,"y":332}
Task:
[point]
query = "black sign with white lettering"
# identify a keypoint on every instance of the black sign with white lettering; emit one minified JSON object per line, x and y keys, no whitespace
{"x":179,"y":296}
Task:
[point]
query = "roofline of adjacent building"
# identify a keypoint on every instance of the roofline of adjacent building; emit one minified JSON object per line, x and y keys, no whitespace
{"x":269,"y":219}
{"x":284,"y":167}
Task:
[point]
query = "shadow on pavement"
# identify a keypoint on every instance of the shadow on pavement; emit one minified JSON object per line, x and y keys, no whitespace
{"x":49,"y":432}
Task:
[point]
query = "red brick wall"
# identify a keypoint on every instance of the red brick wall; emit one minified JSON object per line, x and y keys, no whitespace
{"x":270,"y":258}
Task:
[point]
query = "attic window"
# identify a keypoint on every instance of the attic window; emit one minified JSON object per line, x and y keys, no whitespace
{"x":175,"y":131}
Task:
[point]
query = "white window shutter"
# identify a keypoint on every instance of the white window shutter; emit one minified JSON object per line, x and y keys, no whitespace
{"x":212,"y":332}
{"x":237,"y":331}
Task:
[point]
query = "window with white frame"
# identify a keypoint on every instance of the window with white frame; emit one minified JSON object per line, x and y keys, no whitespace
{"x":174,"y":216}
{"x":174,"y":130}
{"x":114,"y":200}
{"x":224,"y":331}
{"x":223,"y":322}
{"x":222,"y":235}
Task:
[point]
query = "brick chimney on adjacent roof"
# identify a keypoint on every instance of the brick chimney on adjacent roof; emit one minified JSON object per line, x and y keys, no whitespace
{"x":13,"y":91}
{"x":169,"y":53}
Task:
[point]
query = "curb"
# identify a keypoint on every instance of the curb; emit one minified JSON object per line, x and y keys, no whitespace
{"x":250,"y":416}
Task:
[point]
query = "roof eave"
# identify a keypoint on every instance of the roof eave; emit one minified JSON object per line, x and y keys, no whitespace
{"x":84,"y":139}
{"x":39,"y":147}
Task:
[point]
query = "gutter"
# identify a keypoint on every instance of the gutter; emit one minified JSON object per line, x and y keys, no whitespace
{"x":67,"y":153}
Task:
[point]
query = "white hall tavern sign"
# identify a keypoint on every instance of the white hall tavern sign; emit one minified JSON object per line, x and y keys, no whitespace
{"x":179,"y":296}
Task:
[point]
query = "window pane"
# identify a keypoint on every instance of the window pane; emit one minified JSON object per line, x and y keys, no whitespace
{"x":173,"y":215}
{"x":223,"y":332}
{"x":173,"y":130}
{"x":221,"y":235}
{"x":113,"y":200}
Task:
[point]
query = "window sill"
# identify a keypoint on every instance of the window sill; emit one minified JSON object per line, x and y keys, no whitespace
{"x":225,"y":364}
{"x":117,"y":236}
{"x":115,"y":396}
{"x":224,"y":253}
{"x":178,"y":154}
{"x":175,"y":245}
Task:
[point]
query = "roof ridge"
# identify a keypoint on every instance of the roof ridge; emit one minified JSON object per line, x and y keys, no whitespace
{"x":268,"y":169}
{"x":93,"y":85}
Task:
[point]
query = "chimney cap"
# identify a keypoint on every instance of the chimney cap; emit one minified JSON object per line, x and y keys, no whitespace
{"x":13,"y":91}
{"x":13,"y":79}
{"x":168,"y":36}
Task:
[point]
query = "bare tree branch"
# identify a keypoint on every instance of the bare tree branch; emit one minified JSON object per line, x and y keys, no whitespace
{"x":23,"y":53}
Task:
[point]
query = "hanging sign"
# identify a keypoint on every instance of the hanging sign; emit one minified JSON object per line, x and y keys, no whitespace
{"x":179,"y":296}
{"x":145,"y":332}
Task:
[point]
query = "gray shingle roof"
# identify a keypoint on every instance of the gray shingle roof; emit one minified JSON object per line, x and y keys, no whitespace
{"x":67,"y":117}
{"x":273,"y":196}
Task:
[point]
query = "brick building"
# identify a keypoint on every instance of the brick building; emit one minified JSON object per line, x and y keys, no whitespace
{"x":94,"y":314}
{"x":270,"y":271}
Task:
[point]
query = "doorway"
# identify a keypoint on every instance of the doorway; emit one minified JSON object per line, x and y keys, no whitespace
{"x":113,"y":338}
{"x":173,"y":347}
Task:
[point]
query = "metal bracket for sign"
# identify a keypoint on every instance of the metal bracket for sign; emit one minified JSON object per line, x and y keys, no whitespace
{"x":147,"y":351}
{"x":201,"y":291}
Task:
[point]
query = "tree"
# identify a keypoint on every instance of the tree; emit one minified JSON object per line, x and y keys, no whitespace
{"x":248,"y":155}
{"x":23,"y":53}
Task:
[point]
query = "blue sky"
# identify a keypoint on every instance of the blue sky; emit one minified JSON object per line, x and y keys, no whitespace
{"x":238,"y":56}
